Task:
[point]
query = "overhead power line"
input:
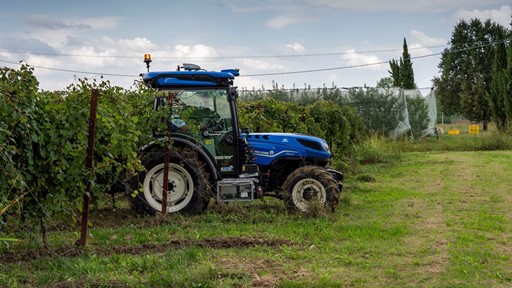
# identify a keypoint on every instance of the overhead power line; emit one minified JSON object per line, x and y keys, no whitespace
{"x":217,"y":57}
{"x":72,"y":71}
{"x":476,"y":45}
{"x":258,"y":74}
{"x":242,"y":75}
{"x":332,"y":68}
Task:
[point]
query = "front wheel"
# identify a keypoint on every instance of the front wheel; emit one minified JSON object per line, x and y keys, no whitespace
{"x":308,"y":186}
{"x":188,"y":189}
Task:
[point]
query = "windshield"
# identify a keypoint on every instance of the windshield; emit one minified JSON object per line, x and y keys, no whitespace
{"x":213,"y":100}
{"x":198,"y":106}
{"x":205,"y":115}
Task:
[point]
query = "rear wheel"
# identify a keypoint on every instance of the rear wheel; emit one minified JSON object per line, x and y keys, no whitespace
{"x":188,"y":189}
{"x":310,"y":186}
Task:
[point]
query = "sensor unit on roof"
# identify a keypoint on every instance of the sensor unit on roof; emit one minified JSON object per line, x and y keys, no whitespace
{"x":190,"y":67}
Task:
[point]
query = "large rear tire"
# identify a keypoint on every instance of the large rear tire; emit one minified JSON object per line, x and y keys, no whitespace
{"x":188,"y":186}
{"x":310,"y":186}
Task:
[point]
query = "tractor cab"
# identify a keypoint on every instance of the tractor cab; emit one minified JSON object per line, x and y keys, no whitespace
{"x":203,"y":111}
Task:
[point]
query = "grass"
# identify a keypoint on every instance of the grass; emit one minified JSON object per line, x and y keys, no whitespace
{"x":428,"y":218}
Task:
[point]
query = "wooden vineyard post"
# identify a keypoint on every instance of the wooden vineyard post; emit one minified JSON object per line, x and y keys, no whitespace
{"x":165,"y":184}
{"x":89,"y":165}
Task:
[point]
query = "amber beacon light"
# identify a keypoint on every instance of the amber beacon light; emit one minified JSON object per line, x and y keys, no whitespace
{"x":147,"y":60}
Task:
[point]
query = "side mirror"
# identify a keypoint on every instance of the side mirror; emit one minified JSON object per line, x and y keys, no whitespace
{"x":160,"y":101}
{"x":233,"y":93}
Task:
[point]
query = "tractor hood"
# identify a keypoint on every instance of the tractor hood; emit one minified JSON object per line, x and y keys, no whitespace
{"x":270,"y":146}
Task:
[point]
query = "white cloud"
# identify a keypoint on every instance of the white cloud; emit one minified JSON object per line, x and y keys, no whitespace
{"x":90,"y":57}
{"x":425,"y":40}
{"x":332,"y":77}
{"x":98,"y":23}
{"x":250,"y":83}
{"x":284,"y":20}
{"x":402,"y":5}
{"x":355,"y":59}
{"x":100,"y":55}
{"x":137,"y":44}
{"x":419,"y":46}
{"x":194,"y":51}
{"x":45,"y":22}
{"x":57,"y":32}
{"x":43,"y":61}
{"x":296,"y":47}
{"x":418,"y":50}
{"x":500,"y":16}
{"x":259,"y":65}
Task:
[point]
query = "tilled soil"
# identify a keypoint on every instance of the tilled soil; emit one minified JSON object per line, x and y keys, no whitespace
{"x":75,"y":251}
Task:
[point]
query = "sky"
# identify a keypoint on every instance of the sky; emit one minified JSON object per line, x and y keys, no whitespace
{"x":294,"y":44}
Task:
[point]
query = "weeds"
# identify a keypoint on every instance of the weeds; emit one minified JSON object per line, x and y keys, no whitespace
{"x":375,"y":150}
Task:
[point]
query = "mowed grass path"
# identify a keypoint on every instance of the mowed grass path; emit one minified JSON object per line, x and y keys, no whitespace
{"x":457,"y":207}
{"x":438,"y":219}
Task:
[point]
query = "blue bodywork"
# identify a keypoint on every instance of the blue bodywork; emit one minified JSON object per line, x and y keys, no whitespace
{"x":178,"y":79}
{"x":270,"y":146}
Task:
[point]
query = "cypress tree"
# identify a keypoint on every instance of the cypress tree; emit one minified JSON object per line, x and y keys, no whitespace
{"x":401,"y":71}
{"x":406,"y":71}
{"x":395,"y":73}
{"x":498,"y":88}
{"x":507,"y":101}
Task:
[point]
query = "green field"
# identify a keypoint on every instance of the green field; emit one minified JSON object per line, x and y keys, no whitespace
{"x":428,"y":219}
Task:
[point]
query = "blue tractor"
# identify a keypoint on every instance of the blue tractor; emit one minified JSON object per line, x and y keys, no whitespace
{"x":213,"y":157}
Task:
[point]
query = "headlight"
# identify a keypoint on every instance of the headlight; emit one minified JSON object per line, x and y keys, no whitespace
{"x":326,"y":147}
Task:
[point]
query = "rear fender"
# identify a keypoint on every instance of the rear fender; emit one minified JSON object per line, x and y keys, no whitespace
{"x":180,"y":142}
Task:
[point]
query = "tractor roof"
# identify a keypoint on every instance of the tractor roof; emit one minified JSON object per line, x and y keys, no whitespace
{"x":194,"y":78}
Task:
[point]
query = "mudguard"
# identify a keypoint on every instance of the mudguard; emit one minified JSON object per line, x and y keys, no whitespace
{"x":194,"y":146}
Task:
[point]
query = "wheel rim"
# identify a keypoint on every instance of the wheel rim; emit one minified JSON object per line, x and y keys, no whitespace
{"x":180,"y":187}
{"x":306,"y":191}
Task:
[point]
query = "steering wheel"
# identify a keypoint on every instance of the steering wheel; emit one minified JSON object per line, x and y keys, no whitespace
{"x":214,"y":123}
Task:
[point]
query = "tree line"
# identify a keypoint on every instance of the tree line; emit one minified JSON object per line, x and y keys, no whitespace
{"x":476,"y":73}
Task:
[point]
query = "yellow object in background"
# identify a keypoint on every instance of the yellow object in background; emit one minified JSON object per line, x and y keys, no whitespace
{"x":453,"y":132}
{"x":474,"y":129}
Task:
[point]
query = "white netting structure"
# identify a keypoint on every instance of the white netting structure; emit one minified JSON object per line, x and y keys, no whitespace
{"x":390,"y":112}
{"x":432,"y":114}
{"x":414,"y":109}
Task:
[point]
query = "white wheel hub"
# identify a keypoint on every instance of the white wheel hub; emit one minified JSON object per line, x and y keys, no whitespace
{"x":306,"y":191}
{"x":180,"y":187}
